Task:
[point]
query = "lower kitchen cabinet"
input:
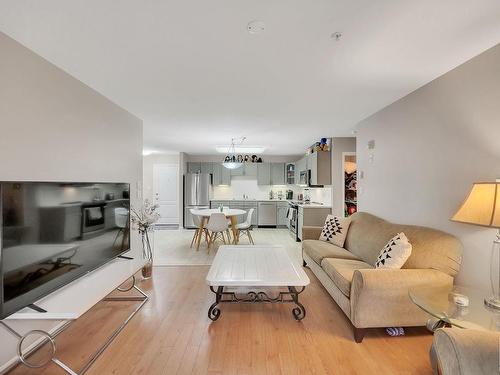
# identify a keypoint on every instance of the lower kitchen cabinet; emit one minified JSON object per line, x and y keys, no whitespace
{"x":240,"y":205}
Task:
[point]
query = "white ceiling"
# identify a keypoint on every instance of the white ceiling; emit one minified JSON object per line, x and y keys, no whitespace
{"x":196,"y":77}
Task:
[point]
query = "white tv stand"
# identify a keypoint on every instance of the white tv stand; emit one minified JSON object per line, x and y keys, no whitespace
{"x":63,"y":306}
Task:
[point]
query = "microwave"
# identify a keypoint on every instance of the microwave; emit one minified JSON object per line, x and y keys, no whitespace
{"x":304,"y":177}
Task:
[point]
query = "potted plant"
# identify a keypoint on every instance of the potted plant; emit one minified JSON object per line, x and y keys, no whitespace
{"x":144,"y":220}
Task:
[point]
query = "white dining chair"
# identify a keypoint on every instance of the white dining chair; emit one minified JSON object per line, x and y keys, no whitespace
{"x":197,"y":223}
{"x":225,"y":209}
{"x":245,"y":227}
{"x":121,"y":221}
{"x":216,"y":226}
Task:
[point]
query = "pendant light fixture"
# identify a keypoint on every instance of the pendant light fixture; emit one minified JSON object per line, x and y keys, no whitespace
{"x":231,"y":161}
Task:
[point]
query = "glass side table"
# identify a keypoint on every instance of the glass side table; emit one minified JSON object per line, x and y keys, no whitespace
{"x":440,"y":304}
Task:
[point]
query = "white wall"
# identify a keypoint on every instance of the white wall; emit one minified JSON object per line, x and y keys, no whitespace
{"x":430,"y":147}
{"x":54,"y":128}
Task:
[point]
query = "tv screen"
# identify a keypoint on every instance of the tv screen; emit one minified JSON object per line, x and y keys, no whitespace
{"x":53,"y":233}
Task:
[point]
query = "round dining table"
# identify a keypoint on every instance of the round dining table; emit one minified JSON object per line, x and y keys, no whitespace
{"x":230,"y":213}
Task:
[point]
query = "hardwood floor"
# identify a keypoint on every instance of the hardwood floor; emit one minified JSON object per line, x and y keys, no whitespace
{"x":173,"y":335}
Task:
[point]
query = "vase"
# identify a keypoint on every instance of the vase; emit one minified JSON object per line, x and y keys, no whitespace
{"x":147,"y":254}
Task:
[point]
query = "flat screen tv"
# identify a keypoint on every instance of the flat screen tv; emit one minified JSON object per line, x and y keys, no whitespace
{"x":52,"y":233}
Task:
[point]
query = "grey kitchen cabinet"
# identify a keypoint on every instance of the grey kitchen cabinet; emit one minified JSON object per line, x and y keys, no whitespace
{"x":238,"y":171}
{"x":207,"y":167}
{"x":281,"y":214}
{"x":239,"y":205}
{"x":263,"y":174}
{"x":221,"y":175}
{"x":300,"y":166}
{"x":247,"y":169}
{"x":216,"y":204}
{"x":194,"y":167}
{"x":319,"y":163}
{"x":250,"y":169}
{"x":255,"y":215}
{"x":245,"y":205}
{"x":278,"y":174}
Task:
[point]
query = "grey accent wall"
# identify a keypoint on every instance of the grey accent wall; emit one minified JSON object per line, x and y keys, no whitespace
{"x":55,"y":128}
{"x":430,"y":147}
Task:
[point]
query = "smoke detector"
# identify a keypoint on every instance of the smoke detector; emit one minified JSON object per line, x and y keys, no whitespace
{"x":256,"y":27}
{"x":336,"y":36}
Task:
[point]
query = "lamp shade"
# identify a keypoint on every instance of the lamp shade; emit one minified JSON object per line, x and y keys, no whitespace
{"x":482,"y":205}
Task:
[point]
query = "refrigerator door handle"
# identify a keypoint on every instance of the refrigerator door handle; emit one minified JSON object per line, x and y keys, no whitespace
{"x":196,"y":183}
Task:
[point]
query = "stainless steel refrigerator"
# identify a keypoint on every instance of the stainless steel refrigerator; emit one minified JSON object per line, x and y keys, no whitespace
{"x":196,"y":195}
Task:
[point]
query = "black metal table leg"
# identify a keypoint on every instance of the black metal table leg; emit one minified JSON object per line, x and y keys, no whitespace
{"x":214,"y":311}
{"x":291,"y":296}
{"x":298,"y":312}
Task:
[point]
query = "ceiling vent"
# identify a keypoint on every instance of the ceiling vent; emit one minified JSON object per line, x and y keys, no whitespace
{"x":256,"y":27}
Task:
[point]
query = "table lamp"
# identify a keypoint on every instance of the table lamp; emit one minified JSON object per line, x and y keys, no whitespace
{"x":482,"y":207}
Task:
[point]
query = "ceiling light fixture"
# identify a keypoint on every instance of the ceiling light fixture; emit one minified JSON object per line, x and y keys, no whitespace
{"x":231,"y":161}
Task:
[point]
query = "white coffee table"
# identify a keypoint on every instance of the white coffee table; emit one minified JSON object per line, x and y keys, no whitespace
{"x":256,"y":266}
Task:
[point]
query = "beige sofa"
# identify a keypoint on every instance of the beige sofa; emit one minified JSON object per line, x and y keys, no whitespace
{"x":379,"y":297}
{"x":457,"y":351}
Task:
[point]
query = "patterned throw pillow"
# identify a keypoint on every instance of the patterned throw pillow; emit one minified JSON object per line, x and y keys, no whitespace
{"x":335,"y":230}
{"x":395,"y":253}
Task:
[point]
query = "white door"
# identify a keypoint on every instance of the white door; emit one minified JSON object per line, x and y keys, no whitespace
{"x":166,"y":192}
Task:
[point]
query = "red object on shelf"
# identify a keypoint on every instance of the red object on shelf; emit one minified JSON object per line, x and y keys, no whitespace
{"x":351,"y":209}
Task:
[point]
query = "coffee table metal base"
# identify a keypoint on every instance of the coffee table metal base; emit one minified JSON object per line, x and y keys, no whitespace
{"x":292,"y":296}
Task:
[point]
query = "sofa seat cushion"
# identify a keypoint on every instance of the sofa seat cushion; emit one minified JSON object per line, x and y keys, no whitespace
{"x":318,"y":250}
{"x":341,"y":271}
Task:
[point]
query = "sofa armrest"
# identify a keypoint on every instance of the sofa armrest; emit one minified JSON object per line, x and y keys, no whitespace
{"x":466,"y":351}
{"x":379,"y":297}
{"x":311,"y":233}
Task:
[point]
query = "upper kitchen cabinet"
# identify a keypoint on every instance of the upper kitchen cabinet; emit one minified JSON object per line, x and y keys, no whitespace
{"x":278,"y":174}
{"x":247,"y":169}
{"x":237,"y":171}
{"x":263,"y":174}
{"x":320,"y":165}
{"x":271,"y":174}
{"x":221,"y":175}
{"x":300,"y":166}
{"x":290,"y":173}
{"x":250,"y":169}
{"x":207,"y":167}
{"x":194,"y":167}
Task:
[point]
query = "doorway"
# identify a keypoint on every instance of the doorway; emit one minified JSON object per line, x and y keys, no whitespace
{"x":349,"y":187}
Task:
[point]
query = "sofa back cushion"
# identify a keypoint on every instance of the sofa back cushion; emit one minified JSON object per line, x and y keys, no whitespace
{"x":431,"y":248}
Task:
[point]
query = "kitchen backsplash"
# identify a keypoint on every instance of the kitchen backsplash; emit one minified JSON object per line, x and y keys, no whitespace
{"x":241,"y":185}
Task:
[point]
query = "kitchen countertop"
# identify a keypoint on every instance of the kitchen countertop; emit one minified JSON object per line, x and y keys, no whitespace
{"x":300,"y":204}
